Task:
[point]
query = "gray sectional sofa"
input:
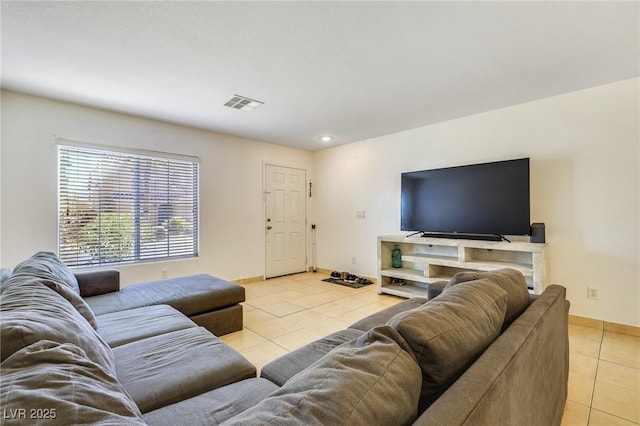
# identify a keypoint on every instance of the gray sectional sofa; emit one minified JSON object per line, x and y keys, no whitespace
{"x":481,"y":353}
{"x":208,"y":301}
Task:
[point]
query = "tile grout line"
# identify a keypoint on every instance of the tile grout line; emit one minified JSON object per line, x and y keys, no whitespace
{"x":281,"y":317}
{"x":265,"y":338}
{"x":595,"y":380}
{"x":595,"y":377}
{"x":269,"y":339}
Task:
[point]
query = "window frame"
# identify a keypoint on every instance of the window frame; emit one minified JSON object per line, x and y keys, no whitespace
{"x":186,"y":247}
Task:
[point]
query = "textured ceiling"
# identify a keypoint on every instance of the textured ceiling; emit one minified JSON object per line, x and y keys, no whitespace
{"x":354,"y":70}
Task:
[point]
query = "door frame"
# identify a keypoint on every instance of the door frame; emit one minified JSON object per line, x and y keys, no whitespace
{"x":265,"y":164}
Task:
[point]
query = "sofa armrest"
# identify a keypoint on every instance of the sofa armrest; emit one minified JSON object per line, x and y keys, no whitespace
{"x":93,"y":283}
{"x":520,"y":379}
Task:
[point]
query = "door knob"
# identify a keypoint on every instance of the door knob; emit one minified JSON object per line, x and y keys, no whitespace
{"x":269,"y":227}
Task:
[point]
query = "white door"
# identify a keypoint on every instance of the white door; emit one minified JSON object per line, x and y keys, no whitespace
{"x":285,"y":220}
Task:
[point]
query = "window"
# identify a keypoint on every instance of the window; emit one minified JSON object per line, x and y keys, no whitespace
{"x":116,"y":207}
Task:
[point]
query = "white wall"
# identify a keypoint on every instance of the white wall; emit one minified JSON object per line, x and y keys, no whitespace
{"x":584,"y":185}
{"x":231,"y":208}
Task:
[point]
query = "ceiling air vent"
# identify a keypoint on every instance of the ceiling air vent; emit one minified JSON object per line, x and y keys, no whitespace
{"x":243,"y":103}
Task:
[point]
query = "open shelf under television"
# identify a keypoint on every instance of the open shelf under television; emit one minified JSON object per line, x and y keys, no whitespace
{"x":427,"y":260}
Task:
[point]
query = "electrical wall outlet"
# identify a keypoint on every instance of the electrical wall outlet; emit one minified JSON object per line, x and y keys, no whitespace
{"x":593,"y":293}
{"x":165,"y":273}
{"x":353,"y":260}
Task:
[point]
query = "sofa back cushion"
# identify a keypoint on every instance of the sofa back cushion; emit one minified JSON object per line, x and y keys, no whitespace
{"x":448,"y":333}
{"x":5,"y":273}
{"x":510,"y":280}
{"x":371,"y":380}
{"x":57,"y":276}
{"x":57,"y":384}
{"x":47,"y":265}
{"x":32,"y":312}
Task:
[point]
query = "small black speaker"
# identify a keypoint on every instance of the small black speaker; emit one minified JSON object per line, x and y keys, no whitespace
{"x":537,"y":233}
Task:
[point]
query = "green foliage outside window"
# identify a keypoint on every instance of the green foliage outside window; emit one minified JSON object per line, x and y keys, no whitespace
{"x":109,"y":237}
{"x":177,"y":226}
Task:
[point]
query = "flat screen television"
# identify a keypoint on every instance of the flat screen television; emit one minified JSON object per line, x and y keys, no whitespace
{"x":485,"y":201}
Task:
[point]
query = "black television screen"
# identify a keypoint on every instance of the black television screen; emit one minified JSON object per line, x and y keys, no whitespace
{"x":488,"y":198}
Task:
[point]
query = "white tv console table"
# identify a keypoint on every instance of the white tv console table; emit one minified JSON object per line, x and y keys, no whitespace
{"x":427,"y":260}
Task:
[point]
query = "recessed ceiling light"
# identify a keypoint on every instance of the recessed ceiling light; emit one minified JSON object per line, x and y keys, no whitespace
{"x":243,"y":103}
{"x":326,"y":138}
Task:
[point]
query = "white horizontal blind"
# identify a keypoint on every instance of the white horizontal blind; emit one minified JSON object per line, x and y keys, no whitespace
{"x":119,"y":207}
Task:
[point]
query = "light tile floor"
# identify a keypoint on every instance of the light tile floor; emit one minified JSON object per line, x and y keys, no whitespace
{"x":604,"y":378}
{"x":283,"y":314}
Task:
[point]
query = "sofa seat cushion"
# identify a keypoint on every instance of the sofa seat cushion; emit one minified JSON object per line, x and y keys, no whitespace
{"x":56,"y":384}
{"x":283,"y":368}
{"x":32,"y":312}
{"x":373,"y":380}
{"x":119,"y":328}
{"x":510,"y":280}
{"x":213,"y":407}
{"x":164,"y":369}
{"x":190,"y":295}
{"x":221,"y":321}
{"x":451,"y":331}
{"x":381,"y":318}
